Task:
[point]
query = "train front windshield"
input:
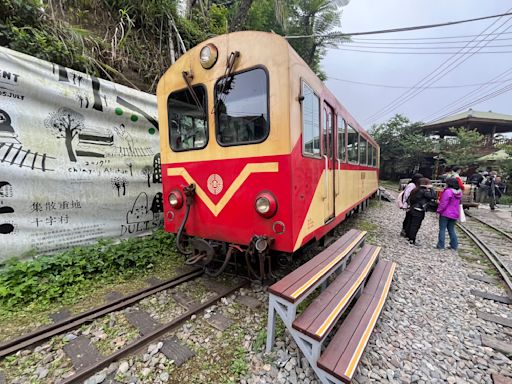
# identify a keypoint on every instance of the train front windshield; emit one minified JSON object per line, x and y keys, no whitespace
{"x":242,"y":108}
{"x":188,"y":119}
{"x":241,"y":112}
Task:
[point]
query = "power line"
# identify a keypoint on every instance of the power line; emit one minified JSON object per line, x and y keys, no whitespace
{"x":431,"y":38}
{"x":420,"y":53}
{"x":442,"y":70}
{"x":481,"y":99}
{"x":498,"y":78}
{"x":404,"y":29}
{"x":390,"y":42}
{"x":439,"y":72}
{"x":408,"y":87}
{"x":395,"y":47}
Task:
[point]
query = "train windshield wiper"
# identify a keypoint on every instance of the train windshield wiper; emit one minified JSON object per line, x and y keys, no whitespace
{"x":187,"y":77}
{"x":230,"y":67}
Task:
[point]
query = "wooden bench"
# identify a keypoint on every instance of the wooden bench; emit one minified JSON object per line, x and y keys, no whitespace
{"x":305,"y":279}
{"x":311,"y":328}
{"x":343,"y":353}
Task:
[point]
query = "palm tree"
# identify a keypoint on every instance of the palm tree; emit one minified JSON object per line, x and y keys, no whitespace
{"x":319,"y":19}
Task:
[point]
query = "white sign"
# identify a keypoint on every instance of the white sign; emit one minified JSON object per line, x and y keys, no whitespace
{"x":79,"y":158}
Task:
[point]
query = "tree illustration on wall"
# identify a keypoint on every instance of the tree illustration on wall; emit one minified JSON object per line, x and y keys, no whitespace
{"x":147,"y":171}
{"x":129,"y":163}
{"x":66,"y":124}
{"x":119,"y":183}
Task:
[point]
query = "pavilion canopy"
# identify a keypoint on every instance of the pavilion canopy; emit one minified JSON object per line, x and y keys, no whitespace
{"x":483,"y":122}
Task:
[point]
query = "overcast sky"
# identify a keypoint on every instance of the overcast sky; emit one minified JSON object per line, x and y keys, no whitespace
{"x":406,"y":70}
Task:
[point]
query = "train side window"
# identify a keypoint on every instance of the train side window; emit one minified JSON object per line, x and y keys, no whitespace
{"x":363,"y":150}
{"x":352,"y":145}
{"x":341,"y":139}
{"x":310,"y":121}
{"x":371,"y":150}
{"x":327,"y":130}
{"x":242,"y":108}
{"x":375,"y":156}
{"x":188,"y":122}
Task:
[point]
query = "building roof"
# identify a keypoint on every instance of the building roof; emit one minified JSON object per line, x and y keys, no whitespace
{"x":483,"y":122}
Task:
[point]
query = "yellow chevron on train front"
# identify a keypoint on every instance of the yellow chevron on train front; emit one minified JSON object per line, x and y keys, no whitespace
{"x":248,"y":170}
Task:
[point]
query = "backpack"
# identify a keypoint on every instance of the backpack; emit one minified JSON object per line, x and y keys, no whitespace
{"x":400,"y":203}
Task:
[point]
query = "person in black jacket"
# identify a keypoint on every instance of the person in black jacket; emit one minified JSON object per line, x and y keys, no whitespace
{"x":419,"y":201}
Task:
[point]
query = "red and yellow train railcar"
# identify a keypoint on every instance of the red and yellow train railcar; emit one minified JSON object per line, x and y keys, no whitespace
{"x":273,"y":158}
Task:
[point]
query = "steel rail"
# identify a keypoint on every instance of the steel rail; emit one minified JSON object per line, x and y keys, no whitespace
{"x":140,"y":342}
{"x":47,"y":332}
{"x":507,"y":235}
{"x":504,"y":271}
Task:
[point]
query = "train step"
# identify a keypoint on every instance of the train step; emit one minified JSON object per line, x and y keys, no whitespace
{"x":360,"y":277}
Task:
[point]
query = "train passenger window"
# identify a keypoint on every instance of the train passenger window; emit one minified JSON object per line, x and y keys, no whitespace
{"x":375,"y":156}
{"x":242,"y":108}
{"x":341,"y":139}
{"x":352,"y":145}
{"x":310,"y":121}
{"x":371,"y":150}
{"x":188,"y":122}
{"x":362,"y":150}
{"x":328,"y":130}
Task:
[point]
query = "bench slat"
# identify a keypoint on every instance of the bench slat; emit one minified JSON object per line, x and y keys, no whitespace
{"x":300,"y":281}
{"x":286,"y":282}
{"x":343,"y":353}
{"x":321,"y":315}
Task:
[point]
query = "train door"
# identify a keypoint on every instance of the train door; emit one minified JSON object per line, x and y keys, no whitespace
{"x":329,"y":162}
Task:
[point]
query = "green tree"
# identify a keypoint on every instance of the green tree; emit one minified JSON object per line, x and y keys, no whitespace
{"x":463,"y":148}
{"x":402,"y":145}
{"x":320,"y":19}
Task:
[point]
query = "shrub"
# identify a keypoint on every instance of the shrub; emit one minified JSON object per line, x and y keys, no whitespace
{"x":64,"y":276}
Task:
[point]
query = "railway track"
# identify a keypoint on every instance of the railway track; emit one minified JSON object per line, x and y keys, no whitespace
{"x":147,"y":335}
{"x":494,"y":243}
{"x":74,"y":322}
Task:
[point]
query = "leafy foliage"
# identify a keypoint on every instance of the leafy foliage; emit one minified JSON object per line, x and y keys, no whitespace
{"x":297,"y":17}
{"x":463,"y":148}
{"x":402,"y":145}
{"x":321,"y":18}
{"x":25,"y":26}
{"x":66,"y":276}
{"x":108,"y":38}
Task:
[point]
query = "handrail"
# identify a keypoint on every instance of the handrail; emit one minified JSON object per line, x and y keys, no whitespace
{"x":338,"y":178}
{"x":326,"y":168}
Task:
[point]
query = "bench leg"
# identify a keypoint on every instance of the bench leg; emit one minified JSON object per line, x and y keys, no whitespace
{"x":271,"y":325}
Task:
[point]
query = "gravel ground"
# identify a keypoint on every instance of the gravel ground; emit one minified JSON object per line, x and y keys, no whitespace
{"x":428,"y":331}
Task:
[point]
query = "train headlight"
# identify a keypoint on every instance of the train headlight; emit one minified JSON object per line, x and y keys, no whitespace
{"x":208,"y":56}
{"x":176,"y":199}
{"x":266,"y":204}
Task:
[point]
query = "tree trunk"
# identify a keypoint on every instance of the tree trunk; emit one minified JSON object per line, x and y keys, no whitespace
{"x":124,"y":189}
{"x":149,"y":175}
{"x":69,"y":146}
{"x":240,"y":19}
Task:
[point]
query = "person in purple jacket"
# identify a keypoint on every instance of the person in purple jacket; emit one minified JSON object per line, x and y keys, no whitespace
{"x":449,"y":212}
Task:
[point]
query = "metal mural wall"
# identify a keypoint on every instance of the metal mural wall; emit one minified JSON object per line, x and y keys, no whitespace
{"x":79,"y":158}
